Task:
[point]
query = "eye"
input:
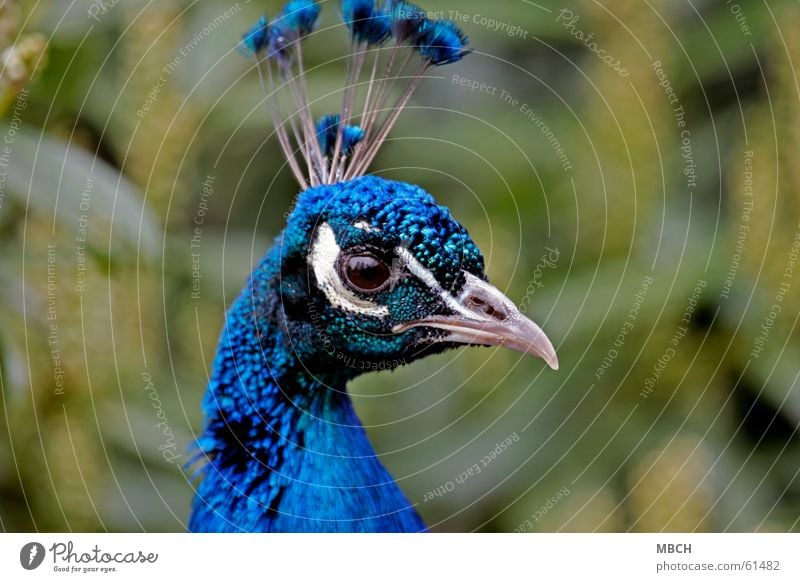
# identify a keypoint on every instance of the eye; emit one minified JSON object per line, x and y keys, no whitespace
{"x":365,"y":272}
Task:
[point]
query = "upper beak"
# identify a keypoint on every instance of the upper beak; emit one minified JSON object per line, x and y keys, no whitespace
{"x":483,"y":315}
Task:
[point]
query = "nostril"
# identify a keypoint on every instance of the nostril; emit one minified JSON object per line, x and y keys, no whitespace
{"x":481,"y":306}
{"x":477,"y":302}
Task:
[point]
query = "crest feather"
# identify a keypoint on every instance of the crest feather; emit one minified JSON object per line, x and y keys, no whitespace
{"x":384,"y":39}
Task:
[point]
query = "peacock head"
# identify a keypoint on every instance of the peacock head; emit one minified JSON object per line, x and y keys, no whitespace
{"x":375,"y":274}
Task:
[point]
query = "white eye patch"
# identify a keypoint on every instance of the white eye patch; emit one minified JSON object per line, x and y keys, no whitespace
{"x":414,"y":267}
{"x":324,"y":255}
{"x":322,"y":259}
{"x":364,"y":225}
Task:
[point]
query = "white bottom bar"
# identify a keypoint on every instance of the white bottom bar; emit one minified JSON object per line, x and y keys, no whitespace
{"x":350,"y":558}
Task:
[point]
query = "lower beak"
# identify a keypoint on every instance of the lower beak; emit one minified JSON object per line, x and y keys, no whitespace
{"x":484,"y":316}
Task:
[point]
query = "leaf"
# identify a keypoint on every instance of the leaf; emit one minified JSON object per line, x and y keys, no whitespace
{"x":72,"y":22}
{"x":54,"y":176}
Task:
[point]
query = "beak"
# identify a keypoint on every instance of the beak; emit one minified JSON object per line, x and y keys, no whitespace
{"x":484,"y":316}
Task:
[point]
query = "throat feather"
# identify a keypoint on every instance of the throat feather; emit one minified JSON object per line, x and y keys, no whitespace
{"x":285,"y":449}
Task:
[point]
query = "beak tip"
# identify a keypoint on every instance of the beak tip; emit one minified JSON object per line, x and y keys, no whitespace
{"x":549,"y":356}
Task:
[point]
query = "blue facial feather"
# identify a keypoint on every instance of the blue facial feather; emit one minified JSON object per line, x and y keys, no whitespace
{"x":285,"y":449}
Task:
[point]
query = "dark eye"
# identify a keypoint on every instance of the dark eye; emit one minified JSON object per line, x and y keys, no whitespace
{"x":365,"y":272}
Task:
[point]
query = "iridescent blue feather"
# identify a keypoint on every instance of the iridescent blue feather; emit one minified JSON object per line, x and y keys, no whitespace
{"x":434,"y":42}
{"x":366,"y":22}
{"x":301,"y":16}
{"x":280,"y":41}
{"x":255,"y":39}
{"x":406,"y":20}
{"x":441,"y":41}
{"x":327,"y":128}
{"x":284,"y":448}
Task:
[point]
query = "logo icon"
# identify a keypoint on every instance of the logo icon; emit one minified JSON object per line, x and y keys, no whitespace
{"x":31,"y":555}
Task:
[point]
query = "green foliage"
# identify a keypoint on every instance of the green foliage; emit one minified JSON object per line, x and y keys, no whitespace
{"x":131,"y":216}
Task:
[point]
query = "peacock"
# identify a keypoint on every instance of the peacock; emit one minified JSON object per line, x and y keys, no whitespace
{"x":368,"y":274}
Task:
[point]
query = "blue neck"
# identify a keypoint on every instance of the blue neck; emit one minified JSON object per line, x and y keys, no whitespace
{"x":286,"y":452}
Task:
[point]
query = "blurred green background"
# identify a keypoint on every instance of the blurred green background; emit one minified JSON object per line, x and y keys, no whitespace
{"x":643,"y":208}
